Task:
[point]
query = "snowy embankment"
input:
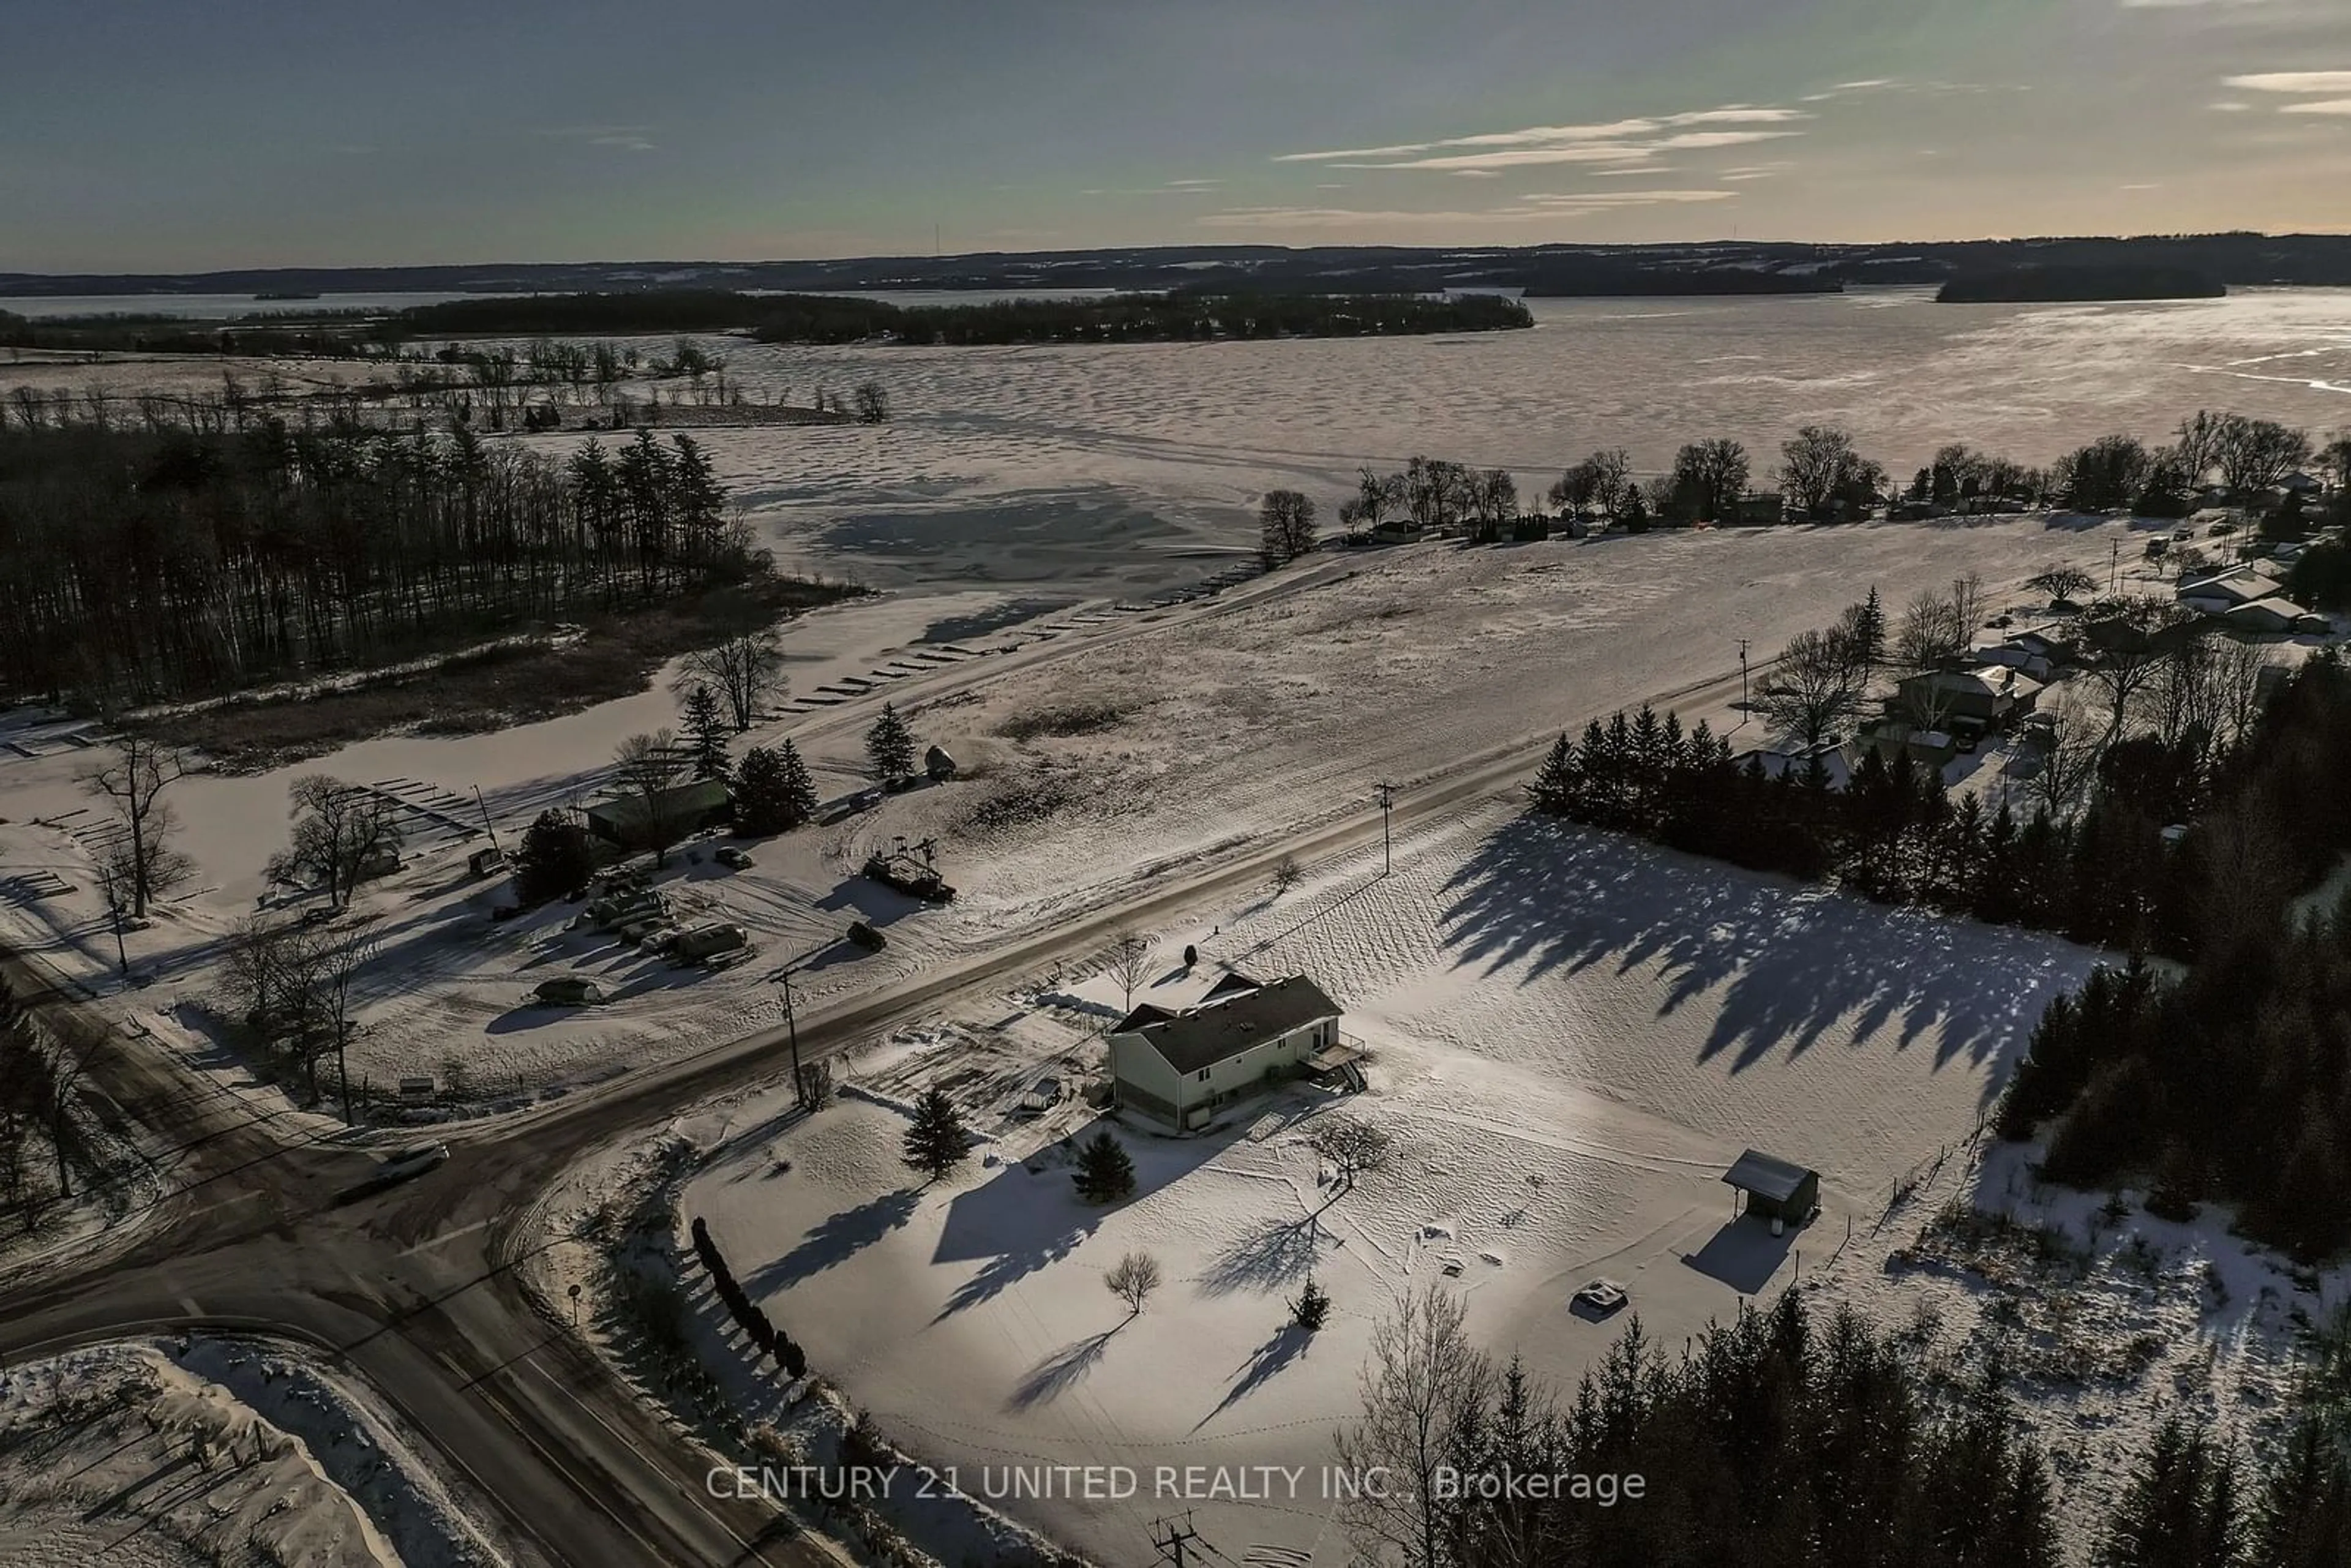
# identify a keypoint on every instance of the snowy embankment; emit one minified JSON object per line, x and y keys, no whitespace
{"x":190,"y":1452}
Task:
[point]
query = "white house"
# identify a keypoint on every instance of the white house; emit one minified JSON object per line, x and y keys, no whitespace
{"x":1182,"y":1068}
{"x":2223,"y":589}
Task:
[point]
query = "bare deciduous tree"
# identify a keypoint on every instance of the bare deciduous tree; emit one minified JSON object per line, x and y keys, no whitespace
{"x":1285,"y":526}
{"x":745,"y":671}
{"x":1350,"y":1143}
{"x":1129,"y":959}
{"x":1423,"y":1378}
{"x":1287,"y":874}
{"x":2071,"y":747}
{"x":649,"y":768}
{"x":1814,"y":689}
{"x":1132,"y":1279}
{"x":342,"y":834}
{"x":2130,"y":639}
{"x":2067,"y":582}
{"x":134,"y":783}
{"x":872,"y":402}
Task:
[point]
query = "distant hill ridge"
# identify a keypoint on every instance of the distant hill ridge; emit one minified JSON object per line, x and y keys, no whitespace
{"x":2229,"y":259}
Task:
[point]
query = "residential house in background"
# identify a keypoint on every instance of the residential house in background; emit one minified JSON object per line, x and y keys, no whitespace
{"x":1975,"y":699}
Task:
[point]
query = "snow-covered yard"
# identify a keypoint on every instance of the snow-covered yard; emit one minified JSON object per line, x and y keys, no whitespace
{"x":1572,"y":1037}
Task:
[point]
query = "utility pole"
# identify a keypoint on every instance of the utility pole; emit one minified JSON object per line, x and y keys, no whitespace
{"x":1170,"y":1539}
{"x":800,"y":1084}
{"x":1742,"y":674}
{"x":487,"y":826}
{"x":2114,"y":562}
{"x":1387,"y":803}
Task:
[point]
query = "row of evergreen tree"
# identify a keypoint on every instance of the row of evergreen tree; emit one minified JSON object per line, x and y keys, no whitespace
{"x":150,"y":565}
{"x":1784,"y":1440}
{"x":1893,"y":833}
{"x":2231,"y":1081}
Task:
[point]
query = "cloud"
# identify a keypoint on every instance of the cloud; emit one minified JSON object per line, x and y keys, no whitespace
{"x":2334,"y":105}
{"x":2146,"y":185}
{"x":1171,"y":188}
{"x":1618,"y":132}
{"x":1550,"y":207}
{"x":2230,"y":106}
{"x":1641,"y":153}
{"x":2293,"y":82}
{"x":1757,"y":171}
{"x":626,"y":138}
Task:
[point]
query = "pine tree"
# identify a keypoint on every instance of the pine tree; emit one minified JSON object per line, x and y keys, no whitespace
{"x":1105,"y":1174}
{"x":773,"y":791}
{"x":553,"y":859}
{"x":1869,"y":629}
{"x":890,"y":746}
{"x":936,"y":1140}
{"x":761,"y":806}
{"x":1311,"y":1309}
{"x":799,"y":787}
{"x":1555,"y":787}
{"x":707,"y":731}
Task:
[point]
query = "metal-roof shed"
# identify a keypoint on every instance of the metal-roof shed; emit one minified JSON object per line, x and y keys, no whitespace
{"x":1775,"y":1189}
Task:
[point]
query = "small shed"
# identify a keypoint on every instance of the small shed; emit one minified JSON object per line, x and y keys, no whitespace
{"x":1775,"y":1189}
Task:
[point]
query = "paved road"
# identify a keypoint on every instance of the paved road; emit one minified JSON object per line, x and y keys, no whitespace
{"x":415,"y":1290}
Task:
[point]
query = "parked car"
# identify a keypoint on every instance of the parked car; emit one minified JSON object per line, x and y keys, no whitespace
{"x":732,"y":858}
{"x":569,"y":991}
{"x":1602,"y":1297}
{"x":866,"y":936}
{"x":704,"y":943}
{"x":413,"y":1162}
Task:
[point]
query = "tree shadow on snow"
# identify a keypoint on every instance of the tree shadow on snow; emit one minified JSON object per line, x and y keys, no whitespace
{"x":835,"y":1240}
{"x":1791,"y":961}
{"x":1276,"y":1254}
{"x":1288,"y":1343}
{"x":1060,"y":1372}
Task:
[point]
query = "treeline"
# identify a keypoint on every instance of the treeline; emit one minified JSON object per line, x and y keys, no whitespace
{"x":2105,"y":876}
{"x":2233,"y":1082}
{"x":179,"y":335}
{"x":1777,"y":1441}
{"x":145,"y":565}
{"x":1588,"y":278}
{"x":1138,"y":318}
{"x":2116,"y":280}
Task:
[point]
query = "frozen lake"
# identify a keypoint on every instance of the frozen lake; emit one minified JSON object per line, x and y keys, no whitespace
{"x":995,"y":458}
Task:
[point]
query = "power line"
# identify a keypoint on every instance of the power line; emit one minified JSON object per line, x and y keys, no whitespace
{"x":1170,"y":1539}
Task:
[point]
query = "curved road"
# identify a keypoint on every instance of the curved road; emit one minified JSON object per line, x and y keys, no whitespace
{"x":415,"y":1289}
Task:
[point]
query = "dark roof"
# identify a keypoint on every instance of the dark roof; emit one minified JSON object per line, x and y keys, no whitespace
{"x":1232,"y":983}
{"x":696,"y":799}
{"x":1145,"y":1012}
{"x":1215,"y":1032}
{"x":1767,"y":1176}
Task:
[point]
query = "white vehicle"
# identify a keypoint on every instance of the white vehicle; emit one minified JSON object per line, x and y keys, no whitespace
{"x":413,"y":1162}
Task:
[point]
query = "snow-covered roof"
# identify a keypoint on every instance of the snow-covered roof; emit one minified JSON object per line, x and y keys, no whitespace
{"x":1766,"y":1175}
{"x":1220,"y":1029}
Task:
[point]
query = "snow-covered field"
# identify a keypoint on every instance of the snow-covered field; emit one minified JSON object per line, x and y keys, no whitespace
{"x":1213,"y":726}
{"x":204,"y":1451}
{"x":1572,"y":1036}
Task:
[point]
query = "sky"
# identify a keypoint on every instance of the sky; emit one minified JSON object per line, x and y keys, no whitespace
{"x":183,"y":137}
